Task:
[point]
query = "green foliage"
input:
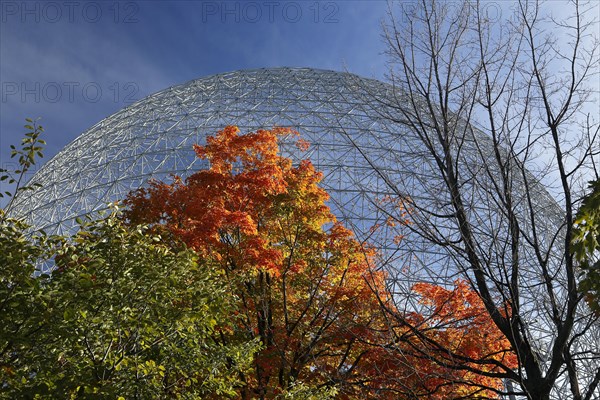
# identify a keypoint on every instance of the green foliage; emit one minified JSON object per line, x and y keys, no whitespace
{"x":121,"y":315}
{"x":301,"y":391}
{"x":21,"y":283}
{"x":22,"y":297}
{"x":124,"y":314}
{"x":586,"y":245}
{"x":31,"y":148}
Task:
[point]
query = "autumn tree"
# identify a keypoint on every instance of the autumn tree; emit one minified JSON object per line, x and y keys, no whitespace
{"x":303,"y":290}
{"x":499,"y":106}
{"x":449,"y":349}
{"x":305,"y":286}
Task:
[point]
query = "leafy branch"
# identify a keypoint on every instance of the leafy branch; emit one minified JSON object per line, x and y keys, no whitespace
{"x":31,"y":149}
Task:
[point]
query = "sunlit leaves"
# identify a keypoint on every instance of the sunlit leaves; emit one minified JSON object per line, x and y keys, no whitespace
{"x":121,"y":315}
{"x":307,"y":289}
{"x":586,"y":245}
{"x":304,"y":291}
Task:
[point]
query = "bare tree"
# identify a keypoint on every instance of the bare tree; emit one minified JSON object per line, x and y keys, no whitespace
{"x":501,"y":105}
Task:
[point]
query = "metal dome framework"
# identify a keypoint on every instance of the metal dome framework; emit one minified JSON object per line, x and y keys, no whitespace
{"x":363,"y":155}
{"x":153,"y":138}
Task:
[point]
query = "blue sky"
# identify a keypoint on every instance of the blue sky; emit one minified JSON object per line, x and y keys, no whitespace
{"x":74,"y":63}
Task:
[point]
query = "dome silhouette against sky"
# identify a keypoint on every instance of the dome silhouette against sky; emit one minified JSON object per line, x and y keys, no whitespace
{"x":363,"y":155}
{"x":153,"y":138}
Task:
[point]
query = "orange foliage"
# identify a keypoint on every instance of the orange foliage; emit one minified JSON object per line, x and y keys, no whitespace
{"x":309,"y":294}
{"x":453,"y":346}
{"x":305,"y":292}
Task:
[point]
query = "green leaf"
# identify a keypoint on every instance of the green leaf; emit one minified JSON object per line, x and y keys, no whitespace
{"x":68,"y":314}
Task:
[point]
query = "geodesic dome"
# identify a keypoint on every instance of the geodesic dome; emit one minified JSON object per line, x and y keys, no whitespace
{"x":361,"y":152}
{"x":153,"y":138}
